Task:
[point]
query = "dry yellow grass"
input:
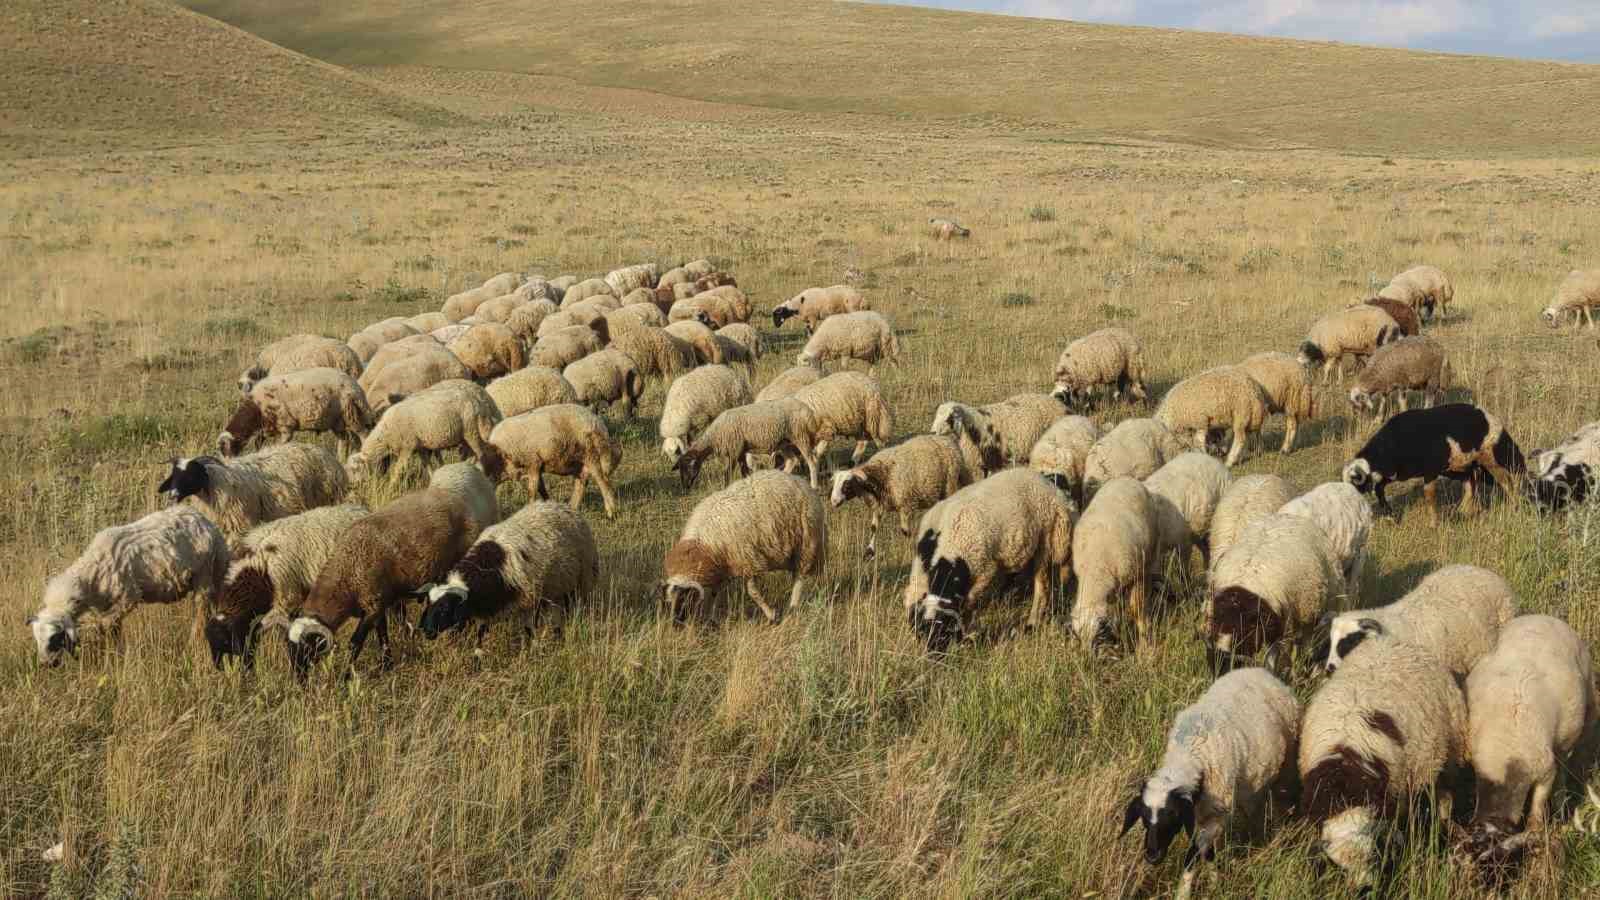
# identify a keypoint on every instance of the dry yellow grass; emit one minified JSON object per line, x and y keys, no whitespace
{"x":822,"y":756}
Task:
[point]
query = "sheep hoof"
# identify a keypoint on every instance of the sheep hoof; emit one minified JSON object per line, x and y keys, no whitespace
{"x":870,"y":554}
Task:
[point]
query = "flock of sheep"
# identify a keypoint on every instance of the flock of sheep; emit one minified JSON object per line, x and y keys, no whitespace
{"x":512,"y":374}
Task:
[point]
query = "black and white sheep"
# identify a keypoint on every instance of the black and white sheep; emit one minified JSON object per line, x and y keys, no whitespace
{"x":243,"y":492}
{"x":813,"y":305}
{"x":1009,"y":427}
{"x":1566,"y":473}
{"x":1455,"y":613}
{"x":1456,"y":440}
{"x":911,"y":477}
{"x":1271,"y":587}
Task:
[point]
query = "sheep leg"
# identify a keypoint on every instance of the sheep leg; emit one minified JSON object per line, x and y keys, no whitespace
{"x":385,"y":660}
{"x":1430,"y":495}
{"x":761,"y":601}
{"x":811,"y":466}
{"x":872,"y":531}
{"x":578,"y":484}
{"x":1405,"y":400}
{"x":607,"y":496}
{"x":1236,"y":452}
{"x":1290,"y":426}
{"x":1539,"y":809}
{"x":359,"y":638}
{"x":1041,"y":591}
{"x":1137,"y":608}
{"x":857,"y":454}
{"x":794,"y":592}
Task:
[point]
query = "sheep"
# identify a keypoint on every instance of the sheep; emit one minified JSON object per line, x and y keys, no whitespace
{"x":656,"y":353}
{"x":1565,"y":473}
{"x":366,"y":342}
{"x":411,"y":376}
{"x":499,"y":309}
{"x":562,"y":348}
{"x":271,"y":574}
{"x":1224,"y":398}
{"x":583,"y":314}
{"x":1457,"y":440}
{"x":298,"y":353}
{"x":425,"y":322}
{"x":864,"y":336}
{"x":1346,"y":518}
{"x":535,"y":289}
{"x":788,"y":382}
{"x":564,"y":439}
{"x":399,"y":351}
{"x":1529,"y":704}
{"x":524,"y":321}
{"x":739,"y":343}
{"x":1455,"y":613}
{"x":489,"y":350}
{"x":698,"y":268}
{"x":1009,"y":427}
{"x":604,"y":378}
{"x":1184,"y":495}
{"x":542,"y":556}
{"x":458,"y":306}
{"x":315,"y":400}
{"x":1248,"y":498}
{"x":694,"y":400}
{"x":560,"y":285}
{"x":1356,"y":332}
{"x":849,"y":404}
{"x":530,"y":388}
{"x":391,"y":329}
{"x":636,"y":315}
{"x":1422,"y":288}
{"x":1225,"y":753}
{"x":625,"y":279}
{"x":450,"y":414}
{"x":1402,"y":313}
{"x":1288,"y":389}
{"x":503,"y":283}
{"x":245,"y":491}
{"x":946,"y":230}
{"x":813,"y":305}
{"x":1110,"y":356}
{"x":1115,"y":550}
{"x":706,"y":349}
{"x":670,"y":277}
{"x":384,"y":559}
{"x":1060,"y":453}
{"x":1408,"y":364}
{"x":1011,"y":523}
{"x":1379,"y":732}
{"x":725,"y":292}
{"x":710,"y":309}
{"x":164,"y":557}
{"x":772,"y":427}
{"x":1270,"y":587}
{"x":911,"y":477}
{"x":1134,"y":448}
{"x":583,"y":290}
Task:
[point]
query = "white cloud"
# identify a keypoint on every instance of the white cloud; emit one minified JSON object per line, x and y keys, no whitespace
{"x":1565,"y":24}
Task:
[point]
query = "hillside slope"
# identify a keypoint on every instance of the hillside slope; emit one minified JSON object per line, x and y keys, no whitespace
{"x":147,"y":66}
{"x":1078,"y":81}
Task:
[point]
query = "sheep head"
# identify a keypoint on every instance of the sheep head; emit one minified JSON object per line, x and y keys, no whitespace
{"x":446,"y":610}
{"x":1163,"y":812}
{"x":186,"y":478}
{"x":309,"y":642}
{"x":53,"y":636}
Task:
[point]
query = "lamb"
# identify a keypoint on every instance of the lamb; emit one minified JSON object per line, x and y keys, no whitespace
{"x":911,"y":477}
{"x":864,"y":336}
{"x":583,"y":290}
{"x":789,"y":382}
{"x":297,"y":353}
{"x":1529,"y":704}
{"x":1422,"y":288}
{"x":248,"y":490}
{"x":946,"y":230}
{"x":1011,"y":523}
{"x":524,"y":321}
{"x":450,"y":414}
{"x":315,"y":400}
{"x":271,"y":575}
{"x":562,"y":348}
{"x":656,"y":353}
{"x":1401,"y":312}
{"x":542,"y":556}
{"x":384,"y":559}
{"x":773,"y":427}
{"x":1356,"y":332}
{"x":489,"y":350}
{"x":1135,"y":448}
{"x":604,"y":378}
{"x":1247,"y":499}
{"x":1060,"y":453}
{"x":1270,"y":587}
{"x":530,"y":388}
{"x":1110,"y":356}
{"x":849,"y":404}
{"x":706,"y":349}
{"x":564,"y":439}
{"x":1115,"y":548}
{"x":1009,"y":427}
{"x":625,"y":279}
{"x":413,"y":376}
{"x":423,"y":323}
{"x":1224,"y":398}
{"x":1566,"y":473}
{"x":1184,"y":495}
{"x":1288,"y":388}
{"x":164,"y":557}
{"x":696,"y":399}
{"x":1408,"y":364}
{"x":1457,"y":440}
{"x":1346,"y":518}
{"x":769,"y":522}
{"x":1456,"y":614}
{"x":1225,"y":753}
{"x":1379,"y":732}
{"x":813,"y":305}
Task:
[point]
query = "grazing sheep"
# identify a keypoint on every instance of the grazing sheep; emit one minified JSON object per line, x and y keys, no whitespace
{"x":314,"y":400}
{"x":411,"y":376}
{"x":525,"y":320}
{"x":1529,"y":703}
{"x":384,"y":559}
{"x":1409,"y":364}
{"x":530,"y":388}
{"x":1135,"y":449}
{"x":1346,"y":518}
{"x":1248,"y":498}
{"x":769,"y":522}
{"x":423,"y":323}
{"x":1013,"y":523}
{"x":367,"y":341}
{"x":1422,"y":288}
{"x":696,"y":399}
{"x":1224,"y":398}
{"x":566,"y":346}
{"x":1356,"y":332}
{"x":946,"y":230}
{"x":1184,"y":495}
{"x":849,"y":405}
{"x":606,"y":377}
{"x":789,"y":382}
{"x":698,"y":268}
{"x":670,"y":277}
{"x":911,"y":477}
{"x":636,"y":315}
{"x":1270,"y":587}
{"x":1566,"y":473}
{"x":813,"y":305}
{"x":583,"y":290}
{"x":1009,"y":427}
{"x":245,"y":491}
{"x":445,"y":335}
{"x":1225,"y":753}
{"x":164,"y":557}
{"x":544,"y":555}
{"x":459,"y":306}
{"x":1401,"y":312}
{"x":1061,"y":452}
{"x":399,"y":351}
{"x":1379,"y":732}
{"x":558,"y":287}
{"x":1456,"y":614}
{"x":298,"y":353}
{"x":625,"y":279}
{"x":1578,"y":294}
{"x":583,"y":314}
{"x":499,"y":309}
{"x":704,"y":341}
{"x":740,"y":343}
{"x":489,"y":350}
{"x":1288,"y":388}
{"x":503,"y":283}
{"x":656,"y":353}
{"x":1115,"y":548}
{"x":271,"y":574}
{"x":451,"y":414}
{"x":364,"y":344}
{"x":1457,"y":440}
{"x":776,"y":426}
{"x":1110,"y":356}
{"x":711,"y":309}
{"x":565,"y":439}
{"x":864,"y":336}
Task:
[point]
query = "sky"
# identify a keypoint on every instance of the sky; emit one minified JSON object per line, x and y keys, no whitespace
{"x":1541,"y":29}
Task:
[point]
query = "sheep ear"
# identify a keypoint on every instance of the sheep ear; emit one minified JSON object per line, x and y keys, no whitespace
{"x":1372,"y":626}
{"x":1131,"y":815}
{"x":32,"y":619}
{"x":1186,"y":813}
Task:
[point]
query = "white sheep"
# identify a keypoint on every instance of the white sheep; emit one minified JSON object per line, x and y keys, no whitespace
{"x":314,"y":400}
{"x":606,"y":377}
{"x":814,"y":305}
{"x":399,"y":351}
{"x":789,"y":382}
{"x":1216,"y":400}
{"x":564,"y":439}
{"x":1422,"y":288}
{"x":1288,"y":389}
{"x":849,"y":405}
{"x":704,"y":341}
{"x":1010,"y":427}
{"x":1455,"y":613}
{"x":1271,"y":587}
{"x":1111,"y":357}
{"x":503,"y":283}
{"x":449,"y":415}
{"x":1578,"y":294}
{"x":694,"y":400}
{"x":243,"y":492}
{"x":1248,"y":498}
{"x":656,"y":353}
{"x":1346,"y":518}
{"x":425,"y":322}
{"x":412,"y":376}
{"x":581,"y":314}
{"x":164,"y":557}
{"x":530,"y":388}
{"x":583,"y":290}
{"x":497,"y":310}
{"x":865,"y":336}
{"x":1115,"y":550}
{"x":625,"y":279}
{"x":635,"y":315}
{"x":1184,"y":496}
{"x":1356,"y":332}
{"x":1135,"y":448}
{"x":367,"y":341}
{"x":769,"y":522}
{"x":489,"y":350}
{"x":741,"y":343}
{"x":563,"y":347}
{"x":1062,"y":451}
{"x":1408,"y":364}
{"x":300,"y":352}
{"x":524,"y":321}
{"x":777,"y":426}
{"x":910,"y":477}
